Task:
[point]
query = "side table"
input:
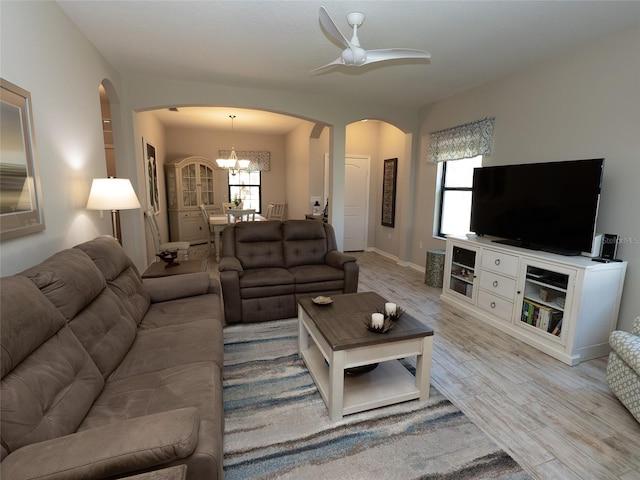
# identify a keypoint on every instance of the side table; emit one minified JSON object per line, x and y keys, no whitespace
{"x":157,"y":269}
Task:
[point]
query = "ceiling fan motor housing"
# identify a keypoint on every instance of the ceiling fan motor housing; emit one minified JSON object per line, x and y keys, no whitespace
{"x":355,"y":19}
{"x":354,"y":56}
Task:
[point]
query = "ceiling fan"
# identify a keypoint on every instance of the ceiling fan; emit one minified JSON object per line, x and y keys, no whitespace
{"x":356,"y":56}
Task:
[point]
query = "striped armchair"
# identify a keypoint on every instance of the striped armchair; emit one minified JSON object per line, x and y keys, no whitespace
{"x":623,"y":369}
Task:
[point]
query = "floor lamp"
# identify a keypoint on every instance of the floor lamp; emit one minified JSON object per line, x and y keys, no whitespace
{"x":112,"y":194}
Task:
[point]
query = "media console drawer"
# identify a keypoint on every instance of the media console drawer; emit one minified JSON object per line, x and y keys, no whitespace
{"x":495,"y":305}
{"x":500,"y":262}
{"x":498,"y":284}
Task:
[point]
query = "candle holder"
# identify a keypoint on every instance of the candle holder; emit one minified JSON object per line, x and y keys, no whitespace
{"x":169,"y":258}
{"x":386,"y":325}
{"x":397,"y":315}
{"x":394,"y":316}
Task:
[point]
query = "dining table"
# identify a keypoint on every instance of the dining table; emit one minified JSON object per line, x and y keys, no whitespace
{"x":219,"y":221}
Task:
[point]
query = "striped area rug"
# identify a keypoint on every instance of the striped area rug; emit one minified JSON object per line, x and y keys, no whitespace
{"x":277,"y":426}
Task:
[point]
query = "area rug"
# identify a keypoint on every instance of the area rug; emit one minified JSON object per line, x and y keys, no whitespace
{"x":277,"y":425}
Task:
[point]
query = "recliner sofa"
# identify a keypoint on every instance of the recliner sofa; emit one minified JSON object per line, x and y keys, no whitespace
{"x":105,"y":375}
{"x":623,"y":368}
{"x":266,"y":267}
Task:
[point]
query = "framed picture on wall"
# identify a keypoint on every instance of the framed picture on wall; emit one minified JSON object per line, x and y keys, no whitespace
{"x":389,"y":192}
{"x":151,"y":175}
{"x":21,"y":208}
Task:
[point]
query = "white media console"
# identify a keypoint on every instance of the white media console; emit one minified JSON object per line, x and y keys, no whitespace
{"x":565,"y":306}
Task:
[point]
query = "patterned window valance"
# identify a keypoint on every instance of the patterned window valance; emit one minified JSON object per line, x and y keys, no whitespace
{"x":464,"y":141}
{"x":259,"y":160}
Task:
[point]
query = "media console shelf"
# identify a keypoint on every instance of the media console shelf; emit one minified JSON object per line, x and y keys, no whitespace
{"x":563,"y":306}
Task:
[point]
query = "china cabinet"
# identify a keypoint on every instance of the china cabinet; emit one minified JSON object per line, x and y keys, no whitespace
{"x":191,"y":181}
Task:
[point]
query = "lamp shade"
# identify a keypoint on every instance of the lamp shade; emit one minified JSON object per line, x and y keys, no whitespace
{"x":112,"y":194}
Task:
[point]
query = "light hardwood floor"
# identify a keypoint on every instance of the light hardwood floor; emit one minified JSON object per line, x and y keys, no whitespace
{"x":558,"y":422}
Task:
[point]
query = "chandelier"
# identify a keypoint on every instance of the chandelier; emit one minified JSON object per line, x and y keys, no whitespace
{"x":233,"y":164}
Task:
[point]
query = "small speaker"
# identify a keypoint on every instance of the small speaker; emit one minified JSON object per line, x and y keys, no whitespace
{"x":609,"y":246}
{"x":596,"y":247}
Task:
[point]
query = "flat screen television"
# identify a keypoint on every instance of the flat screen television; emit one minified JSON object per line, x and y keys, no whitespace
{"x":549,"y":206}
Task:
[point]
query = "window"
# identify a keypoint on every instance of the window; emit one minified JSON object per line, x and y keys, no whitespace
{"x":455,"y":195}
{"x":245,"y":185}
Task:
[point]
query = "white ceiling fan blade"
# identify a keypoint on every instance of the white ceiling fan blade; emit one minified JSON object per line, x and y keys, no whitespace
{"x":331,"y":27}
{"x":394,"y":54}
{"x":336,"y":62}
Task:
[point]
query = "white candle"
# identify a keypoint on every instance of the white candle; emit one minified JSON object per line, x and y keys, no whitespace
{"x":377,"y":320}
{"x":390,"y":308}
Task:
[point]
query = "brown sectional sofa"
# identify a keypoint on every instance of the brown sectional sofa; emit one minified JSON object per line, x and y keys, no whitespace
{"x":105,"y":375}
{"x":266,"y":267}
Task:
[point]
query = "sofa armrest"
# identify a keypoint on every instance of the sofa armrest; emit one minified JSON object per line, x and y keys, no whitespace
{"x":636,"y":326}
{"x":115,"y":449}
{"x":337,"y":259}
{"x":230,"y":264}
{"x":230,"y":283}
{"x":627,"y":346}
{"x":163,"y":289}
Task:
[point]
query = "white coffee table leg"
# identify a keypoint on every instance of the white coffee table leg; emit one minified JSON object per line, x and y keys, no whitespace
{"x":423,"y":368}
{"x":303,"y":334}
{"x":336,"y":385}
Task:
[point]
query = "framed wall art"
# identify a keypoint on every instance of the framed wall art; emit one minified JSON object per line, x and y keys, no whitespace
{"x":21,"y":209}
{"x":151,"y":175}
{"x":389,"y":192}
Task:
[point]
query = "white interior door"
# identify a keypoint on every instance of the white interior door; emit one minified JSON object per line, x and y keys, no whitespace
{"x":356,"y":194}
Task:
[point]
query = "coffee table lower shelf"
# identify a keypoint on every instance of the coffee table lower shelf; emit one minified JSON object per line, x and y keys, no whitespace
{"x":389,"y":383}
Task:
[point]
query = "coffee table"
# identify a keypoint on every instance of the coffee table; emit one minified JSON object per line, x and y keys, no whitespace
{"x":340,"y":341}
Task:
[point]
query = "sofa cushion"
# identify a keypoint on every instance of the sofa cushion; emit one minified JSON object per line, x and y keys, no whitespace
{"x":316,"y":273}
{"x":107,"y":254}
{"x":160,"y":348}
{"x":259,"y":244}
{"x":182,"y":310}
{"x":261,"y":277}
{"x":193,"y":385}
{"x":27,"y":320}
{"x":120,"y":273}
{"x":49,"y":392}
{"x":187,"y":310}
{"x":69,"y":279}
{"x":304,"y":242}
{"x":106,"y":331}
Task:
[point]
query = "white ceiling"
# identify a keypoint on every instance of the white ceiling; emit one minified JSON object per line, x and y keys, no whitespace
{"x":275,"y":44}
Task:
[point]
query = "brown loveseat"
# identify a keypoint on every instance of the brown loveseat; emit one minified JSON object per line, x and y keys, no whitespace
{"x":105,"y":375}
{"x":266,"y":267}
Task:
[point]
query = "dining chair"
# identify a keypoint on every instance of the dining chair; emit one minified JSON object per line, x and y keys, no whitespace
{"x":230,"y":206}
{"x":207,"y":225}
{"x":275,"y":211}
{"x":180,"y":247}
{"x":241,"y":215}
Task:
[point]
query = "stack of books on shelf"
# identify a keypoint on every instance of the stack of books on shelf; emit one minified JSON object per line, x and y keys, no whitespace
{"x":541,"y":316}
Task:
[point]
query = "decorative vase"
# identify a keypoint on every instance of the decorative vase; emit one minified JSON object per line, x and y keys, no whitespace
{"x":169,"y":258}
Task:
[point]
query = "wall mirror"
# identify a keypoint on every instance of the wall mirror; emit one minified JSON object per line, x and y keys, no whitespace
{"x":21,"y":210}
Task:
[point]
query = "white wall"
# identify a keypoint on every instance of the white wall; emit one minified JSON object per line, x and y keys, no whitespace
{"x":67,"y":124}
{"x":151,"y":130}
{"x":143,"y":93}
{"x":184,"y":142}
{"x":583,"y":105}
